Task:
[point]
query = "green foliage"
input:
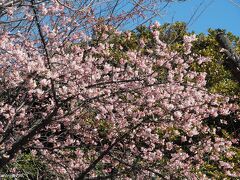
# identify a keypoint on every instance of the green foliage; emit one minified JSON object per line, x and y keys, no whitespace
{"x":219,"y":78}
{"x":28,"y":166}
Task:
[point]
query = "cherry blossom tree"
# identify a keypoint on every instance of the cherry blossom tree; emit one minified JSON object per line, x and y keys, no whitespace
{"x":67,"y":99}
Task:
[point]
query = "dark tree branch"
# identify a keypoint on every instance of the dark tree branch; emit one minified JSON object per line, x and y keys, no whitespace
{"x":45,"y":49}
{"x":233,"y":60}
{"x":138,"y":167}
{"x":106,"y":152}
{"x":9,"y":155}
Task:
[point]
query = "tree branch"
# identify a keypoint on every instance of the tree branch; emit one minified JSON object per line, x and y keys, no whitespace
{"x":233,"y":60}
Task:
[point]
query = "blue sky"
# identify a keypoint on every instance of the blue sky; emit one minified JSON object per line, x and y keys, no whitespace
{"x":211,"y":14}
